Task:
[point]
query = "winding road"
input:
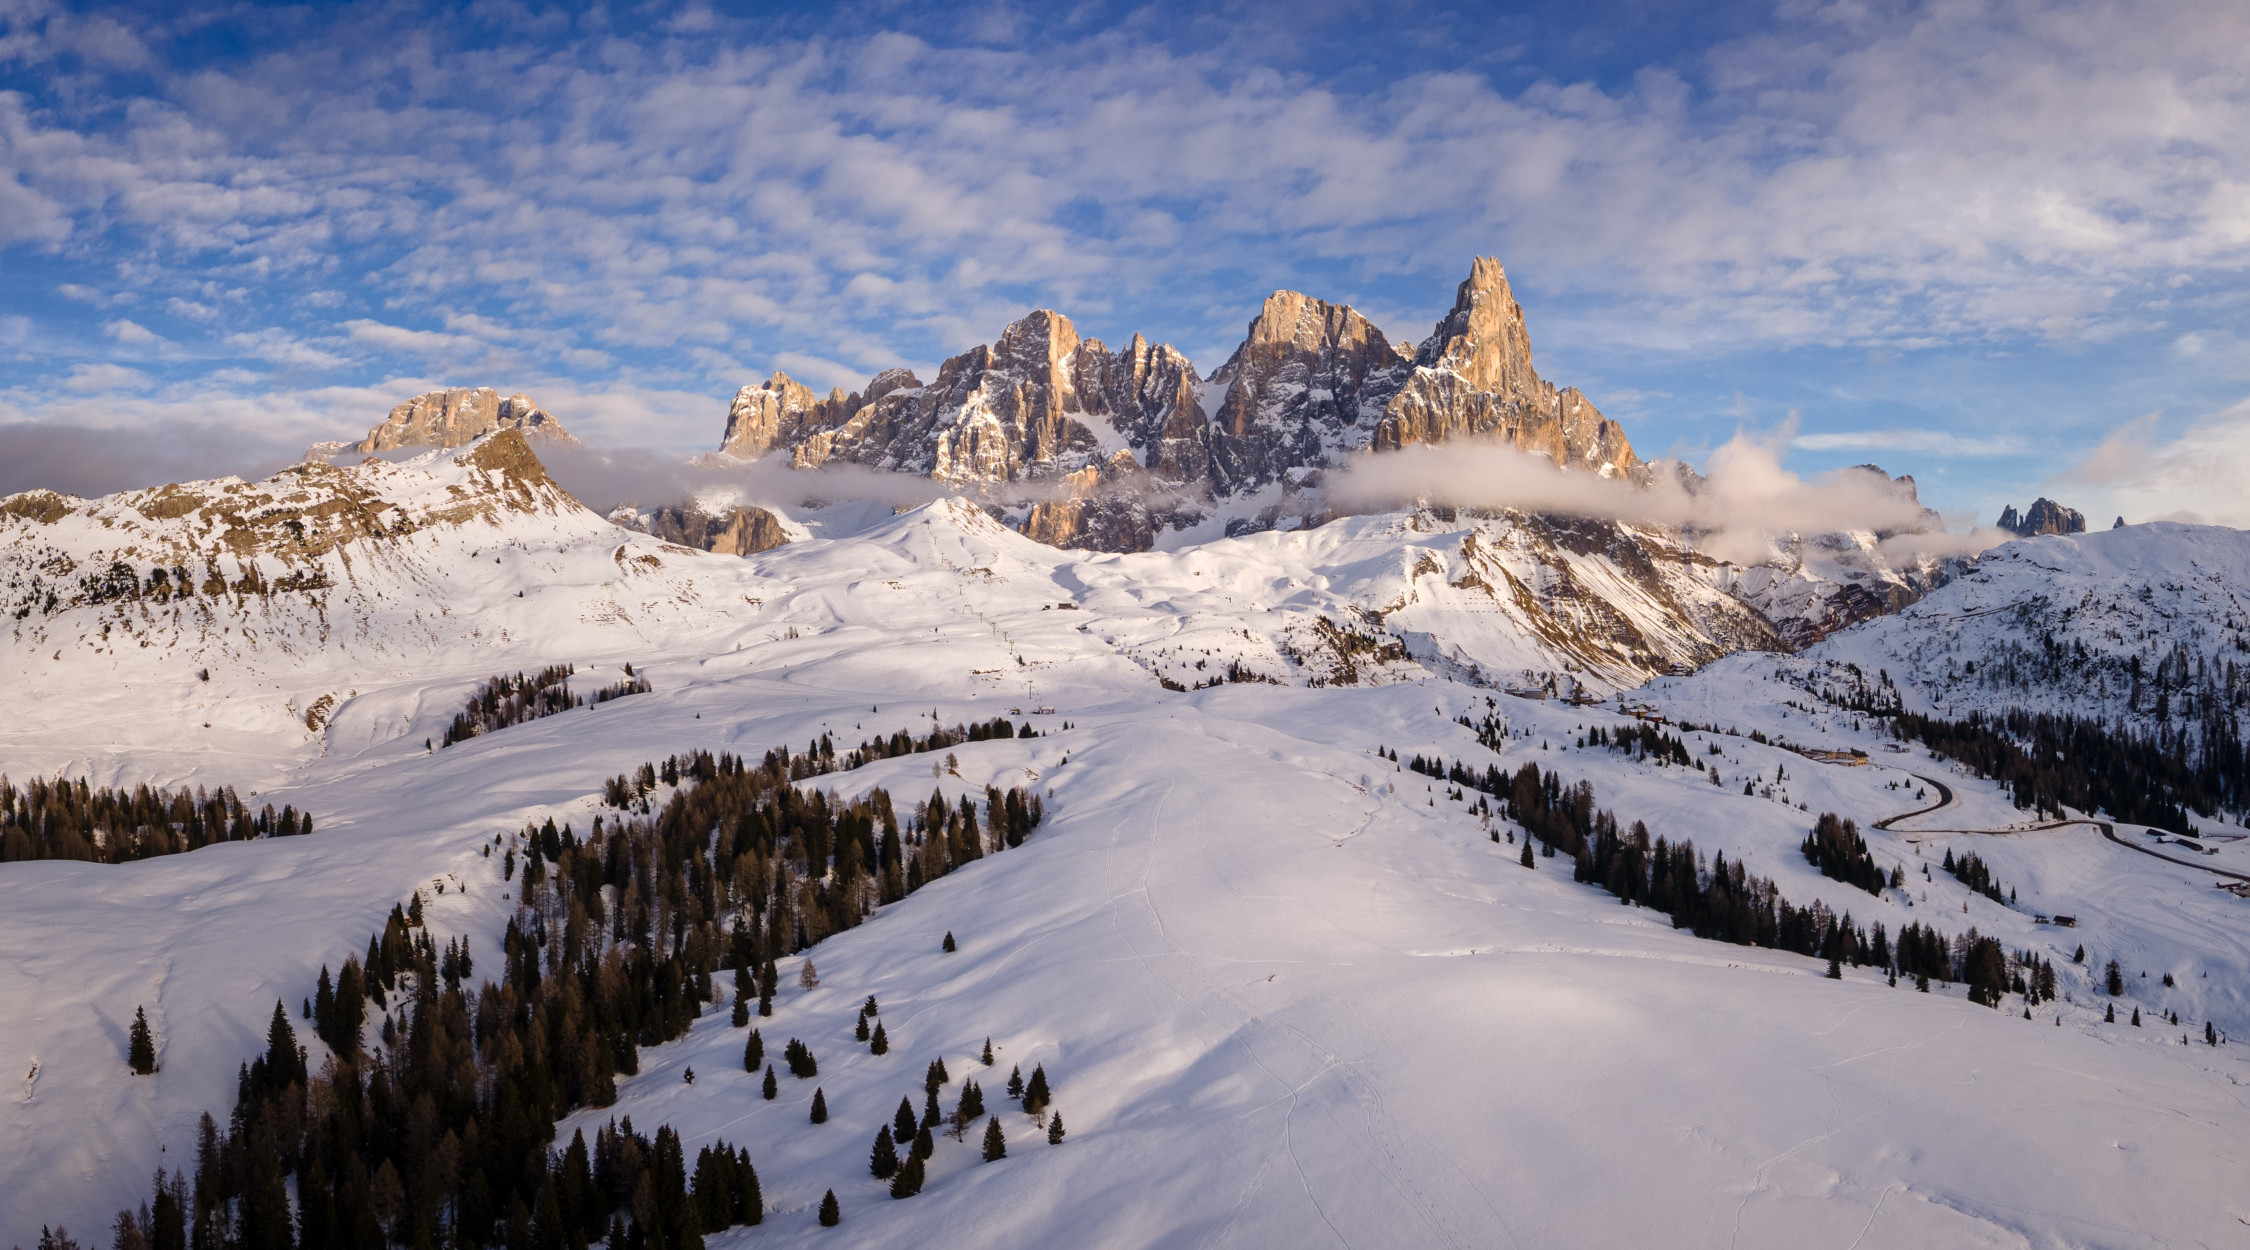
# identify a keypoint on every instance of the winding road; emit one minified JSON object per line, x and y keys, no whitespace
{"x":2109,"y":830}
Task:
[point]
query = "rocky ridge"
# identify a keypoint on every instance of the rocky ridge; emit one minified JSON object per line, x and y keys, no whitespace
{"x":1105,"y":449}
{"x":2045,"y":516}
{"x":458,"y":416}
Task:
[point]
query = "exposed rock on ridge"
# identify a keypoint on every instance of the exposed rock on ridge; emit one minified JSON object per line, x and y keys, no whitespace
{"x":2044,"y":517}
{"x":458,"y":416}
{"x":1123,"y":444}
{"x":738,"y":531}
{"x":1473,"y":378}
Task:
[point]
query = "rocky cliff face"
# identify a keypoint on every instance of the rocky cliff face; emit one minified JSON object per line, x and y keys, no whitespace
{"x":1116,"y":446}
{"x":1472,"y":378}
{"x":459,"y":416}
{"x":738,"y":531}
{"x":2045,"y":517}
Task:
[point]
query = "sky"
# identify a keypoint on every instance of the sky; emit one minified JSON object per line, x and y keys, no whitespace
{"x":2001,"y":246}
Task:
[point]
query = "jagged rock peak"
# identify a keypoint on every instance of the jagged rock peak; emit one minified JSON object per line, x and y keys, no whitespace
{"x":2044,"y":517}
{"x":1308,"y":382}
{"x":1473,"y":378}
{"x":1484,"y":338}
{"x":458,"y":416}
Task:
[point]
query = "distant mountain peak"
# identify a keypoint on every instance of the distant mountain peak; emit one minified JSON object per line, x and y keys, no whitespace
{"x":2044,"y":517}
{"x":458,"y":416}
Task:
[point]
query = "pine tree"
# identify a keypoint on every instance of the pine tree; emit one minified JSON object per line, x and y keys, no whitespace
{"x":937,"y":1076}
{"x":902,"y":1124}
{"x":995,"y":1141}
{"x":772,"y":1087}
{"x":140,"y":1054}
{"x":860,"y":1033}
{"x":1528,"y":861}
{"x":882,"y":1162}
{"x":1015,"y":1082}
{"x":2210,"y":1034}
{"x":2109,"y":1014}
{"x":2136,"y":1017}
{"x":1035,"y":1094}
{"x":908,"y":1181}
{"x":986,"y":1057}
{"x":924,"y":1147}
{"x":2113,"y":980}
{"x":830,"y":1215}
{"x":819,"y":1107}
{"x":881,"y":1044}
{"x":753,"y":1052}
{"x":1054,"y":1129}
{"x":1835,"y":968}
{"x":741,"y":996}
{"x":948,"y":945}
{"x":768,"y":982}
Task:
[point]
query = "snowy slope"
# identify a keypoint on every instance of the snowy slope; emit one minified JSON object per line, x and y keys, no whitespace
{"x":2060,"y":621}
{"x":1287,"y":993}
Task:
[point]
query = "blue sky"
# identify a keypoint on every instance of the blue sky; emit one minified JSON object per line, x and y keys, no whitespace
{"x":2000,"y":246}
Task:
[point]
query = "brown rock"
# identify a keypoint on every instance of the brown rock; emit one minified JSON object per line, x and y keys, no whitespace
{"x":1308,"y":383}
{"x":1473,"y":377}
{"x":743,"y":531}
{"x":458,"y":417}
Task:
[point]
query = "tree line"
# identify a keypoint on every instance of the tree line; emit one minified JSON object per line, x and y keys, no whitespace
{"x":63,"y":819}
{"x":2048,"y":762}
{"x":439,"y":1130}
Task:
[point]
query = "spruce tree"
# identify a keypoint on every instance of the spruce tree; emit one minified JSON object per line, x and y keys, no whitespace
{"x":1054,"y":1129}
{"x":908,"y":1181}
{"x":995,"y":1141}
{"x":140,"y":1054}
{"x":753,"y":1052}
{"x":2113,"y":980}
{"x":1528,"y":861}
{"x":1015,"y":1082}
{"x":924,"y":1147}
{"x":830,"y":1215}
{"x":882,"y":1162}
{"x":860,"y":1033}
{"x":1035,"y":1093}
{"x":986,"y":1057}
{"x":881,"y":1043}
{"x":948,"y":944}
{"x":741,"y":996}
{"x":902,"y":1124}
{"x":2109,"y":1014}
{"x":2136,"y":1017}
{"x":772,"y":1087}
{"x":819,"y":1107}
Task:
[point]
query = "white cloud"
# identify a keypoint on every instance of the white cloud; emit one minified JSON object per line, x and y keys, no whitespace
{"x":282,"y":348}
{"x":2196,"y":475}
{"x":131,"y":333}
{"x":93,"y":378}
{"x":1939,"y":442}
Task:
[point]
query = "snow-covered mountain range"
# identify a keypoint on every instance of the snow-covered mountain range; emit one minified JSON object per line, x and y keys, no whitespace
{"x":1282,"y":998}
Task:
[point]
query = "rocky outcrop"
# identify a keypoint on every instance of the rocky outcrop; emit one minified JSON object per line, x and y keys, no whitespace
{"x":738,"y":531}
{"x":459,"y":416}
{"x":1306,"y":387}
{"x":1049,"y":422}
{"x":1473,"y":378}
{"x":2045,"y":517}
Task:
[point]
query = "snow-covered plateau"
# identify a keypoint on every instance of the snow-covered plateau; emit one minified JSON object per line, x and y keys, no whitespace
{"x":1288,"y":991}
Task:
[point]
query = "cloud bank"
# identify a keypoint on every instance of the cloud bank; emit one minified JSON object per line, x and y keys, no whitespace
{"x":1737,"y":512}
